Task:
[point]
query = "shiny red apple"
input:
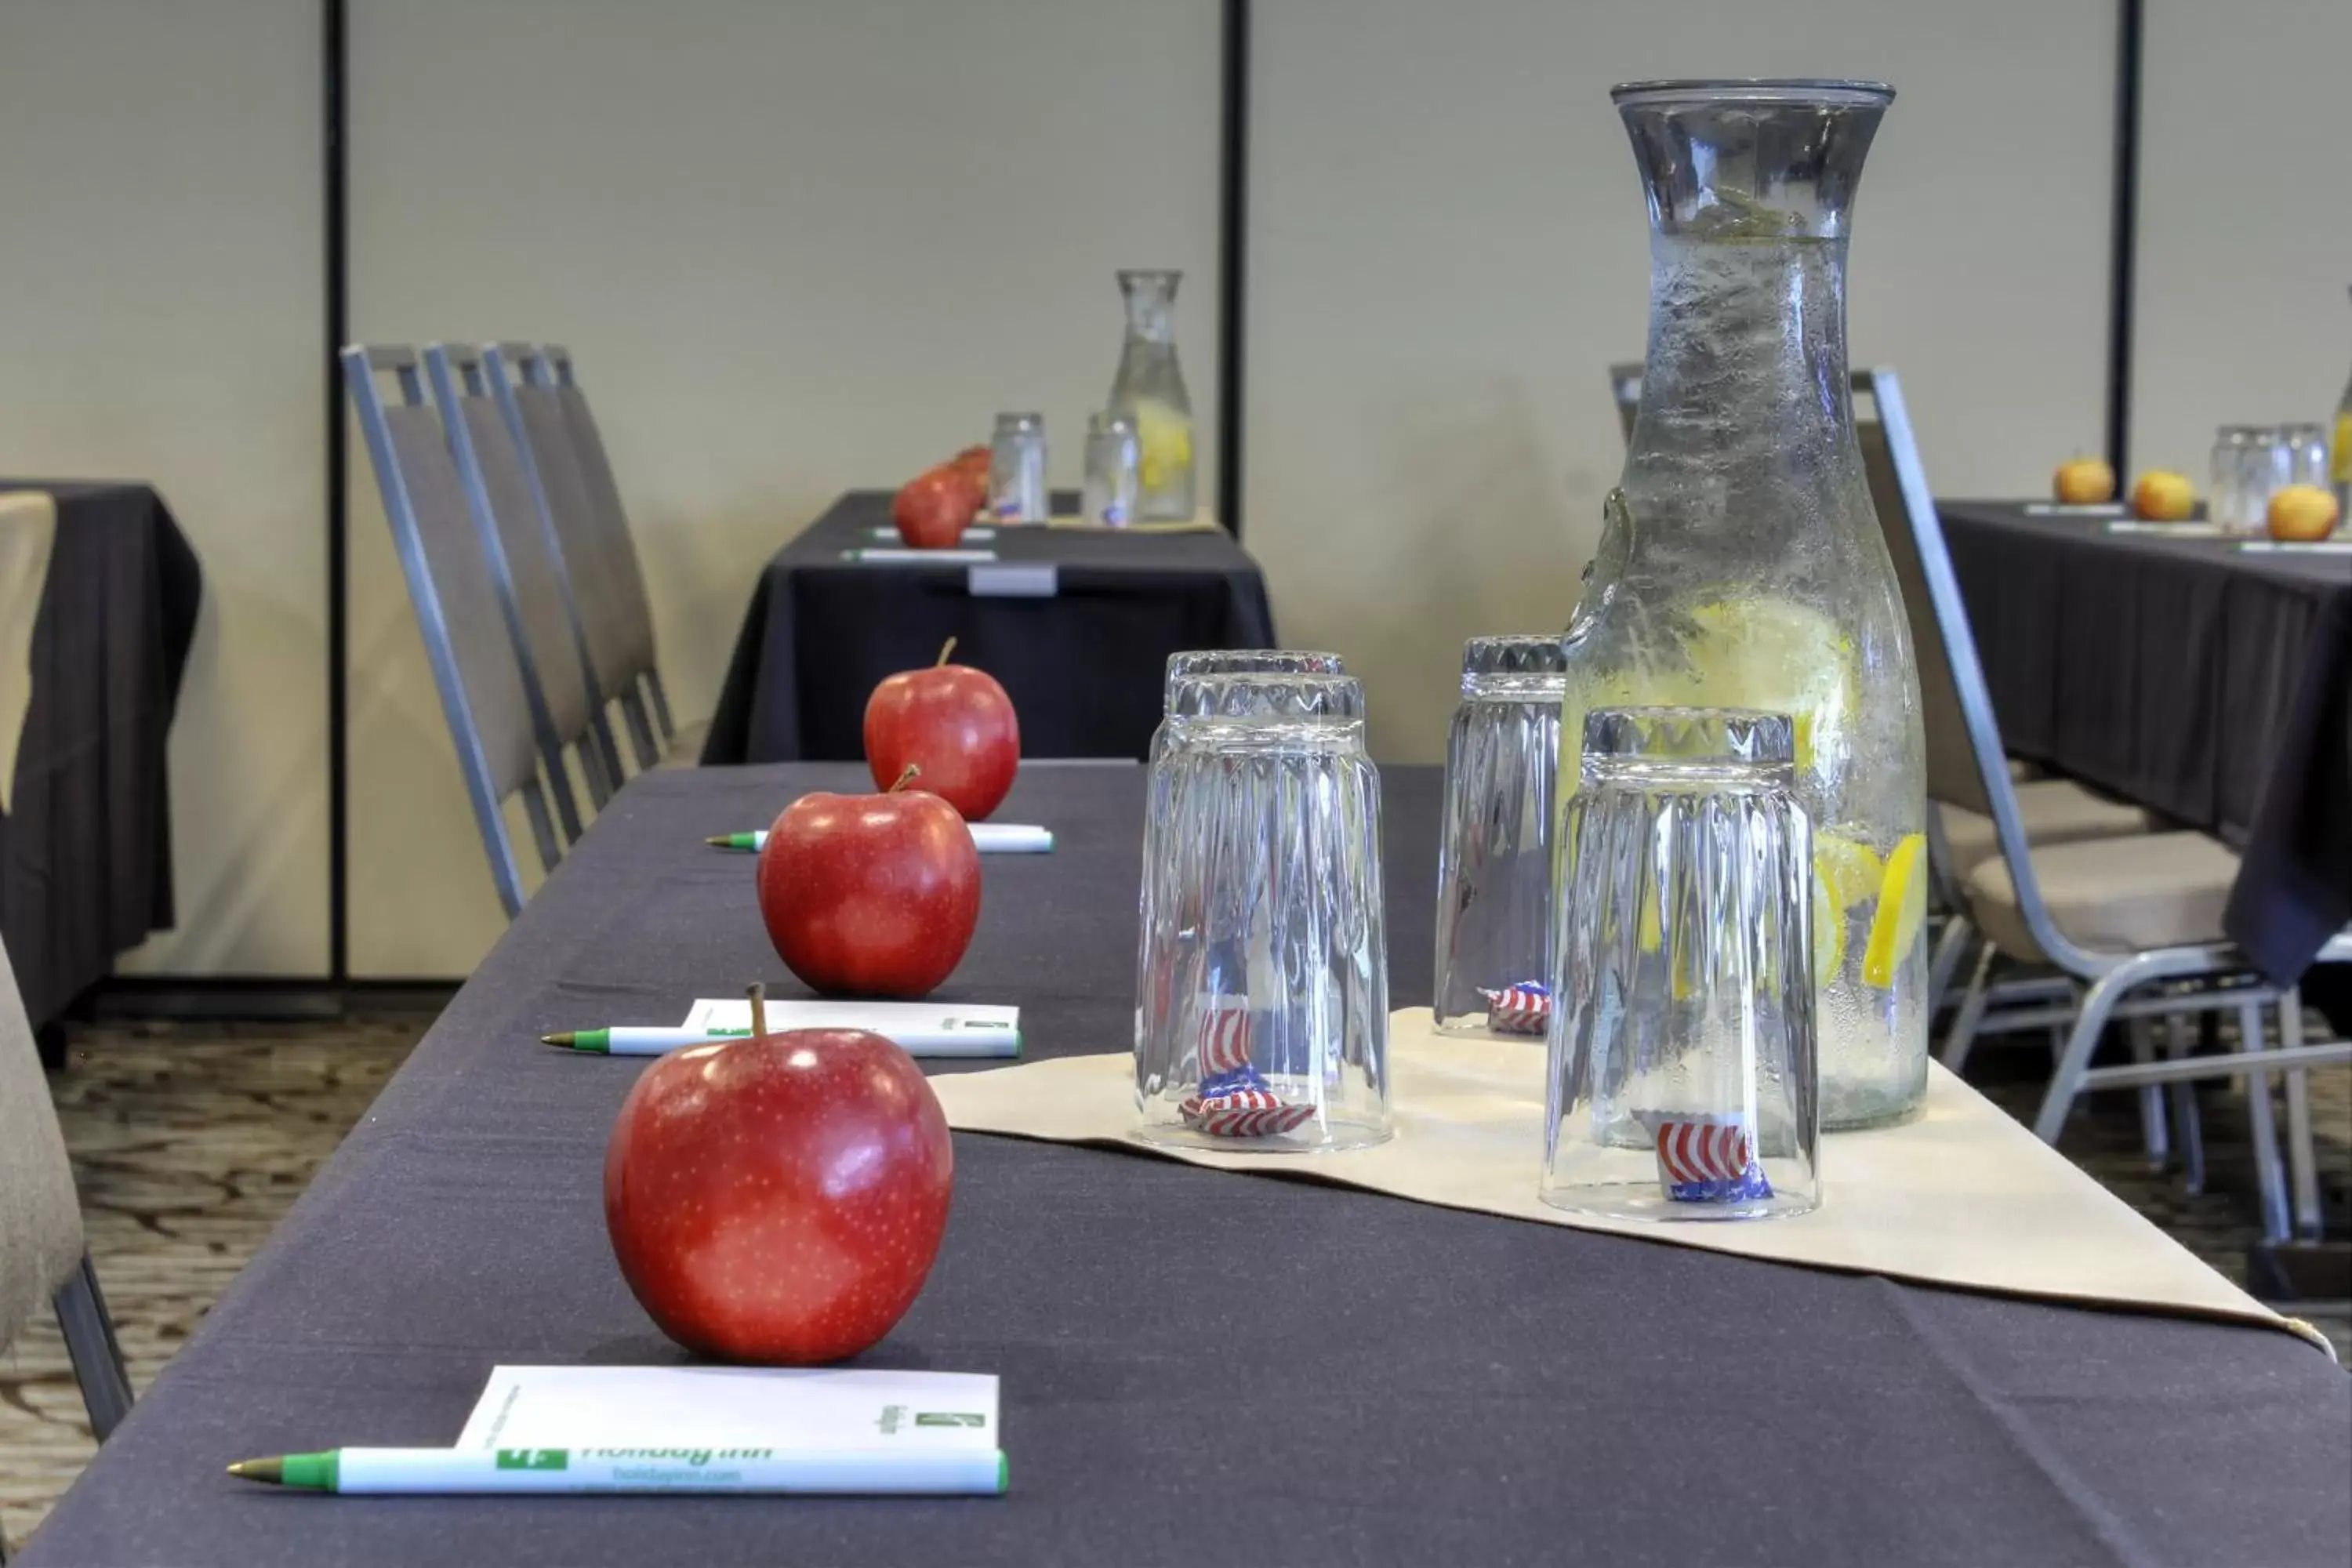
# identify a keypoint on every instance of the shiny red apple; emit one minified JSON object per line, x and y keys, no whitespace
{"x":779,"y":1198}
{"x":952,"y":722}
{"x":933,"y":509}
{"x":975,"y":462}
{"x":870,"y":895}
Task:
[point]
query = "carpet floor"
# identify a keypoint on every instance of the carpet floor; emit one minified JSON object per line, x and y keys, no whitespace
{"x":191,"y":1139}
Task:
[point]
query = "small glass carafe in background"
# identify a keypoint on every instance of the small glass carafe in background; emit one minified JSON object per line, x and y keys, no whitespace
{"x":1111,"y":469}
{"x":1149,"y":390}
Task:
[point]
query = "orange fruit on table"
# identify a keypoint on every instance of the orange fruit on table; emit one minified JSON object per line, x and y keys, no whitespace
{"x":2163,"y":497}
{"x":2302,"y":514}
{"x":2083,"y":481}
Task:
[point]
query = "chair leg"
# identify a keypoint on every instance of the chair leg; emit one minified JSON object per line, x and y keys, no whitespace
{"x":2155,"y":1131}
{"x":97,"y":1357}
{"x":2262,"y":1123}
{"x":2187,"y":1116}
{"x":1962,"y":1036}
{"x":641,"y":734}
{"x":2303,"y":1175}
{"x":661,"y":706}
{"x":1951,"y":946}
{"x":2066,"y":1077}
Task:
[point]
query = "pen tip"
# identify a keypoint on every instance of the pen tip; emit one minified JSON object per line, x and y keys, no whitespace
{"x":717,"y":841}
{"x":562,"y":1039}
{"x":258,"y":1470}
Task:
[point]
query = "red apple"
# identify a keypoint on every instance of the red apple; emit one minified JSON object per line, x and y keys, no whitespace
{"x":974,"y":463}
{"x":870,"y":895}
{"x":932,"y":509}
{"x":952,"y":722}
{"x":779,"y":1198}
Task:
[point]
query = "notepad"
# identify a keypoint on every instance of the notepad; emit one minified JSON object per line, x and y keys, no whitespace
{"x":732,"y":1406}
{"x":2169,"y":530}
{"x":969,"y":536}
{"x":880,"y":556}
{"x":924,"y":1028}
{"x":2074,"y":509}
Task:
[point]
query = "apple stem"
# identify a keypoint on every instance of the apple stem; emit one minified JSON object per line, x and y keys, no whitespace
{"x":758,"y":993}
{"x":946,"y":649}
{"x":912,"y":773}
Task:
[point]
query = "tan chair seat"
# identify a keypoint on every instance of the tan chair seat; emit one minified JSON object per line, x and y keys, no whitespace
{"x":2053,"y":811}
{"x":2111,"y":895}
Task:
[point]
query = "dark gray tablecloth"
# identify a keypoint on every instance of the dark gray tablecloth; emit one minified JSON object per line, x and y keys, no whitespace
{"x":2210,"y":683}
{"x":1199,"y":1368}
{"x":86,"y":851}
{"x":1085,"y":667}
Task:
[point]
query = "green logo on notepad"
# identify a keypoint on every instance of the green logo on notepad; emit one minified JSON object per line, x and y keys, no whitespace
{"x":951,"y":1418}
{"x":534,"y":1459}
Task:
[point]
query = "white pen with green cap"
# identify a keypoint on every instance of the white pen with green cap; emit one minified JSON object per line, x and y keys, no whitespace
{"x":928,"y":1472}
{"x":988,"y":837}
{"x":919,"y":1028}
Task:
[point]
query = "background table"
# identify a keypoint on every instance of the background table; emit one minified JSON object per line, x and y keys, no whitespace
{"x":2210,"y":683}
{"x":86,"y":852}
{"x":1198,"y":1368}
{"x":1083,"y":668}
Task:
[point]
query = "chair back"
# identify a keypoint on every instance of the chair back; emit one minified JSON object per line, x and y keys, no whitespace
{"x":1965,"y":764}
{"x":551,"y":366}
{"x":528,"y":572}
{"x":467,"y":639}
{"x":40,"y":1218}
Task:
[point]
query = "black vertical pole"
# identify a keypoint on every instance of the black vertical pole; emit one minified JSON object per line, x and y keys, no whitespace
{"x":1233,"y":261}
{"x":2124,"y":238}
{"x":335,"y":21}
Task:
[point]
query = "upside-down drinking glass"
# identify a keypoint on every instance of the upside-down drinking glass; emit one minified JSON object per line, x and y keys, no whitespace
{"x":1262,"y":971}
{"x":1203,"y":661}
{"x":1683,"y":1078}
{"x":1494,"y":857}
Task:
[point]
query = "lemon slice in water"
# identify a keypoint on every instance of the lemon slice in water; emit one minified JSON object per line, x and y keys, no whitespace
{"x":1902,"y":911}
{"x":1777,"y":655}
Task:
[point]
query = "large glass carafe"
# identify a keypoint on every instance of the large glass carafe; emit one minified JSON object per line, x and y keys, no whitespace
{"x":1740,"y":563}
{"x":2339,"y":471}
{"x":1149,"y":390}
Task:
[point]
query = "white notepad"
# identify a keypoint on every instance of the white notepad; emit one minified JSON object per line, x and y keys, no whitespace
{"x":731,"y":1407}
{"x":925,"y":1028}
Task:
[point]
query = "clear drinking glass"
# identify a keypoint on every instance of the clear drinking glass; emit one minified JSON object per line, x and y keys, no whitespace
{"x":1111,"y":493}
{"x":2226,"y":506}
{"x":1494,"y":860}
{"x":2263,"y":470}
{"x":1741,"y":564}
{"x":1017,"y":469}
{"x":2306,"y":459}
{"x":1261,"y":973}
{"x":1684,"y":1082}
{"x":1196,"y":662}
{"x":1149,"y":389}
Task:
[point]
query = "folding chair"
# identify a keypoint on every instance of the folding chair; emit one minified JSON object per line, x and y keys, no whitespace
{"x":44,"y":1255}
{"x":466,"y":637}
{"x":2113,"y":916}
{"x":528,"y":572}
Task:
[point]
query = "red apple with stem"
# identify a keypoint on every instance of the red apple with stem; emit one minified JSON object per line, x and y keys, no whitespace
{"x":781,"y":1198}
{"x":870,"y":895}
{"x":953,"y":721}
{"x":933,"y":509}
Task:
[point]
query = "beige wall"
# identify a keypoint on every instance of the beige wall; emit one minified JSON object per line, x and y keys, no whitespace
{"x":2246,"y":230}
{"x":1448,"y":245}
{"x":160,"y":302}
{"x":796,"y":249}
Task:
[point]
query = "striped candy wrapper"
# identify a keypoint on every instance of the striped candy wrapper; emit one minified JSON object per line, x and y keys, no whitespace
{"x":1524,"y":1008}
{"x":1235,"y":1101}
{"x":1708,"y":1159}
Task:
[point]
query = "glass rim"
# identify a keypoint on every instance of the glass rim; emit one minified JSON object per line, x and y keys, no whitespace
{"x":1710,"y":738}
{"x":1855,"y":92}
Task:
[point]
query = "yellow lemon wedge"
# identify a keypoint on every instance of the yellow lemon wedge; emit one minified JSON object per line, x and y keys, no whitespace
{"x":1848,"y":868}
{"x":1163,"y":442}
{"x":1777,"y":655}
{"x":1829,"y":935}
{"x":1902,"y":911}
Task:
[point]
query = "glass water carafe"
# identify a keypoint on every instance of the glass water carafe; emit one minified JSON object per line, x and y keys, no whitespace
{"x":2341,"y":462}
{"x":1740,"y":563}
{"x":1149,"y":390}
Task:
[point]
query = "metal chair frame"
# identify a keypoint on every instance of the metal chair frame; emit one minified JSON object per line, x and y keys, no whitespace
{"x":458,"y":372}
{"x":360,"y":366}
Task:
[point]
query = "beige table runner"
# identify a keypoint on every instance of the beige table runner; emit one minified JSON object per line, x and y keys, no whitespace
{"x":1963,"y":1196}
{"x":28,"y":532}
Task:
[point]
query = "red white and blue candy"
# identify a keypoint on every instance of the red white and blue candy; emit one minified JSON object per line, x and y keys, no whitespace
{"x":1235,"y":1101}
{"x":1708,"y":1159}
{"x":1524,"y":1008}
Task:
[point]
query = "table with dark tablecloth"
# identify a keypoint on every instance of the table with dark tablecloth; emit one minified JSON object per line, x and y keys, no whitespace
{"x":86,"y":848}
{"x":1085,"y":667}
{"x":1198,"y":1368}
{"x":2210,"y":683}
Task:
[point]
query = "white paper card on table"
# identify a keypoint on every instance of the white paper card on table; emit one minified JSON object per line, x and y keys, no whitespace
{"x":2074,"y":509}
{"x":795,"y":1409}
{"x":969,"y":536}
{"x":1011,"y":838}
{"x":920,"y":1028}
{"x":887,"y":557}
{"x":2298,"y":546}
{"x":2168,"y":529}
